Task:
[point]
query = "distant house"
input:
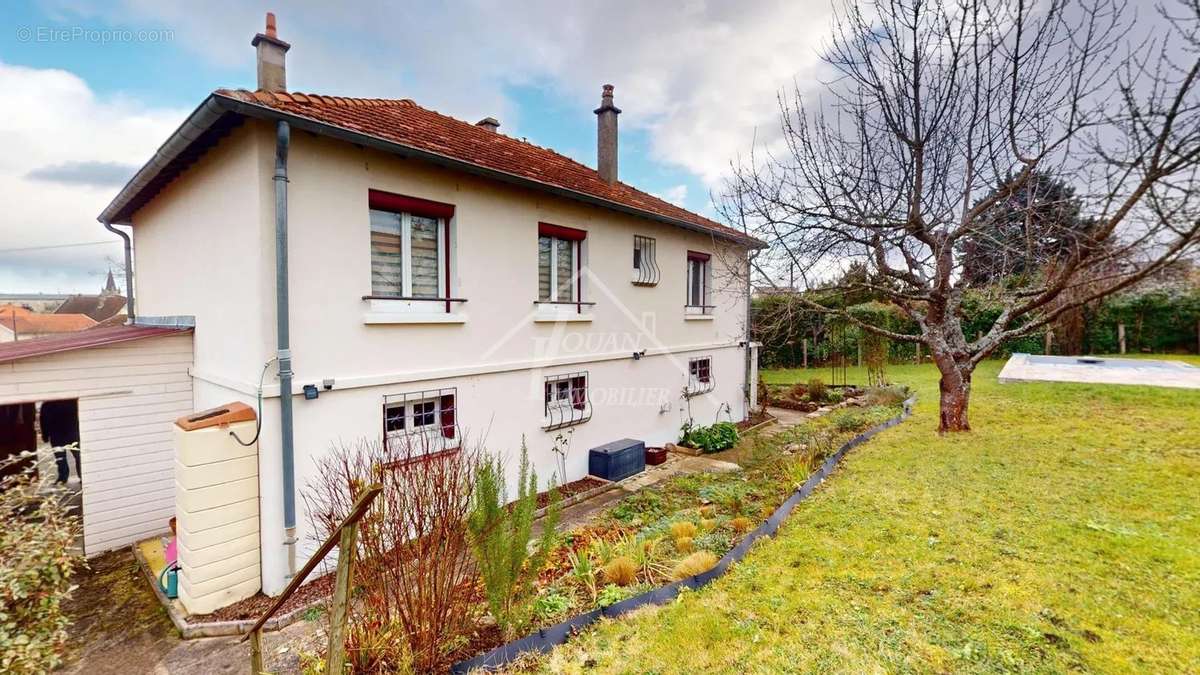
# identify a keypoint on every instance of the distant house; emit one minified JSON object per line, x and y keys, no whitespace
{"x":100,"y":307}
{"x":18,"y":323}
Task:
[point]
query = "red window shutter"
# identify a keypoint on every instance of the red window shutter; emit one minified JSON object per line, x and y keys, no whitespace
{"x":705,"y":368}
{"x":568,"y":233}
{"x":387,"y":201}
{"x":579,"y":392}
{"x":448,"y":416}
{"x":696,"y":255}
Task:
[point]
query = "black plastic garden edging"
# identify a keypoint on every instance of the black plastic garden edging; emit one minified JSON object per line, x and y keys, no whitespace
{"x":547,"y":638}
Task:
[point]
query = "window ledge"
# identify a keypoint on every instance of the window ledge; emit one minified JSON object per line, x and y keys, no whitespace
{"x":563,"y":317}
{"x":698,"y":317}
{"x":412,"y":317}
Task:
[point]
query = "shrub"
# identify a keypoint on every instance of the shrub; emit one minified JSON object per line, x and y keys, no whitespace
{"x":741,"y":524}
{"x":696,"y":563}
{"x":845,"y":421}
{"x":708,"y":524}
{"x":415,"y":568}
{"x":720,"y":436}
{"x":683,"y":544}
{"x":620,"y":571}
{"x":611,"y":595}
{"x":886,"y":396}
{"x":500,"y":534}
{"x":683,"y":528}
{"x":797,"y":391}
{"x":816,"y":390}
{"x":834,"y":396}
{"x":707,"y":510}
{"x":36,"y":537}
{"x":583,"y":572}
{"x":551,"y":605}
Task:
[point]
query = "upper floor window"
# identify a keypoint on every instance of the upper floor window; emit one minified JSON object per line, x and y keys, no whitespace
{"x":560,"y":264}
{"x":645,"y":266}
{"x":423,"y":422}
{"x":699,"y":278}
{"x":566,"y":400}
{"x":409,"y":244}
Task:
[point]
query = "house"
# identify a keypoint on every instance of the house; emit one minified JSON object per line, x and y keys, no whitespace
{"x":98,"y":308}
{"x":18,"y":323}
{"x":394,"y":271}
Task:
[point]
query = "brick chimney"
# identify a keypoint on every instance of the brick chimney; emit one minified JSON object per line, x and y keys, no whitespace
{"x":606,"y":136}
{"x":490,"y":123}
{"x":272,"y":72}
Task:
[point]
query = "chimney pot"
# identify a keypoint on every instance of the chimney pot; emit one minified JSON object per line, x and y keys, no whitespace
{"x":490,"y":123}
{"x":606,"y":136}
{"x":272,"y":68}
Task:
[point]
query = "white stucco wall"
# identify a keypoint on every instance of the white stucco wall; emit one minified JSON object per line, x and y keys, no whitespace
{"x":206,"y":248}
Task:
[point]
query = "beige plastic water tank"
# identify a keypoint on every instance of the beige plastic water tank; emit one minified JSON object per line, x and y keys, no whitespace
{"x":216,"y":508}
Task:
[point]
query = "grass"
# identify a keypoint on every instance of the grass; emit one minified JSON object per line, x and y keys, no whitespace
{"x":1061,"y":534}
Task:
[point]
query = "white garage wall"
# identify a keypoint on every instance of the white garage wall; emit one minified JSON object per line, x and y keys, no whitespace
{"x":129,"y":395}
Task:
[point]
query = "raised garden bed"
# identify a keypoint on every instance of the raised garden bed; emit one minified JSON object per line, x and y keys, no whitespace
{"x":682,"y":533}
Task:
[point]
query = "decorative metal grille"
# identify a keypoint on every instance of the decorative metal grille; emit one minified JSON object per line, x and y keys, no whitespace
{"x":700,"y":376}
{"x":566,"y":400}
{"x":424,"y":421}
{"x":645,"y":261}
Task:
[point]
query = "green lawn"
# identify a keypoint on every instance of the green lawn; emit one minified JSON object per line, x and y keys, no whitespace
{"x":1062,"y":534}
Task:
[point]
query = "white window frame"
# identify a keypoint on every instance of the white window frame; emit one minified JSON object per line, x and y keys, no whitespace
{"x":576,"y":267}
{"x":428,"y":438}
{"x":406,"y":288}
{"x":703,"y":309}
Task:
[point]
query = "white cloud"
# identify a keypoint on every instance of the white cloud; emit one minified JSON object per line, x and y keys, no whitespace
{"x":677,"y":195}
{"x":54,"y":122}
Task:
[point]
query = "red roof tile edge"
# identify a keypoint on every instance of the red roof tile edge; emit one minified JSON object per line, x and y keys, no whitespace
{"x":573,"y":176}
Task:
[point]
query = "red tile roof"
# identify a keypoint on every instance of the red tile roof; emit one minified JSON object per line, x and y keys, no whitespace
{"x":23,"y":322}
{"x":404,"y":122}
{"x":96,"y":337}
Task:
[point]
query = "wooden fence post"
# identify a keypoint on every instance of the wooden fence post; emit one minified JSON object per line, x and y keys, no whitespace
{"x":918,"y":353}
{"x":860,"y":352}
{"x":341,"y":599}
{"x":256,"y":662}
{"x":1049,"y":340}
{"x":1121,"y":336}
{"x":806,"y":352}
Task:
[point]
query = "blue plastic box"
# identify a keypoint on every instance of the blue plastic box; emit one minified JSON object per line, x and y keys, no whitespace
{"x":617,"y":460}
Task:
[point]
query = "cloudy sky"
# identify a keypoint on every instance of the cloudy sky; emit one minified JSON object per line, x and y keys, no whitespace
{"x":90,"y":89}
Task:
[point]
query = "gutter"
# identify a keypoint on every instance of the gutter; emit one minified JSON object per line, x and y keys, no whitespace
{"x":129,"y":313}
{"x":283,"y":352}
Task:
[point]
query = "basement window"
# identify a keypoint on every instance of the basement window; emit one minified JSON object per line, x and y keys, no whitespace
{"x":700,"y":379}
{"x":420,"y":423}
{"x":566,"y":400}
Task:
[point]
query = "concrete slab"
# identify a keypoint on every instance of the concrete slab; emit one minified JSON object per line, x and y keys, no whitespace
{"x":1100,"y":370}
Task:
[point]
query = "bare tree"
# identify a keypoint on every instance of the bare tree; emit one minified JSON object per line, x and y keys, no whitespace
{"x":942,"y":108}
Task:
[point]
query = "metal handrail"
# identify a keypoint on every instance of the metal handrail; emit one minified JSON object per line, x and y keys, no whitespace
{"x":356,"y":513}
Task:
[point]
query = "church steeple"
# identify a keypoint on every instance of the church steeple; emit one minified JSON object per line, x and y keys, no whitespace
{"x":110,"y":286}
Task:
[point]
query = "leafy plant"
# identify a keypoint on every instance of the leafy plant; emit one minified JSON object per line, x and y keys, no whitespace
{"x":719,"y":436}
{"x":696,"y":563}
{"x":36,"y":564}
{"x":583,"y":572}
{"x":611,"y":595}
{"x":550,"y":605}
{"x":741,"y":524}
{"x":887,"y":396}
{"x":500,"y":535}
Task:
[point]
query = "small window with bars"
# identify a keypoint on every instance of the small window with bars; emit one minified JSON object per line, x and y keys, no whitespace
{"x":645,"y":263}
{"x":421,"y":423}
{"x":700,"y":379}
{"x":566,"y":400}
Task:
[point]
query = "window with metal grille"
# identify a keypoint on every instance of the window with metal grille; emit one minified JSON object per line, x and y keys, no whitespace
{"x":424,"y":421}
{"x":700,"y":379}
{"x":566,"y":400}
{"x":645,"y":263}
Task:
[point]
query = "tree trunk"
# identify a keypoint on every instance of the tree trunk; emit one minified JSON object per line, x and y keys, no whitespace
{"x":955,"y":397}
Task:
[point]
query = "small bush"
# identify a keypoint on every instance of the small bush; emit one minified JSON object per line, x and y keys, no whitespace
{"x":886,"y":396}
{"x":741,"y":524}
{"x":500,"y":535}
{"x":707,"y":511}
{"x":797,"y":391}
{"x":846,"y":421}
{"x":708,"y":524}
{"x":683,"y":528}
{"x":611,"y":595}
{"x":817,"y":390}
{"x":834,"y":396}
{"x":551,"y":605}
{"x":696,"y":563}
{"x":720,"y":436}
{"x":683,"y":544}
{"x":620,"y":571}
